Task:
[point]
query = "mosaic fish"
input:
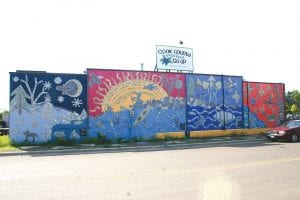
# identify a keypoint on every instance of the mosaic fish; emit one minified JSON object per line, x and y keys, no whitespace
{"x":142,"y":116}
{"x":229,"y":117}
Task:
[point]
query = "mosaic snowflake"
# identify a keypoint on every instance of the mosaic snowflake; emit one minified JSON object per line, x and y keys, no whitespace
{"x":47,"y":85}
{"x":60,"y":99}
{"x":77,"y":102}
{"x":236,"y":96}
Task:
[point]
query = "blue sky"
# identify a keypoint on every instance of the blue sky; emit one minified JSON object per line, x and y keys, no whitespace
{"x":259,"y":39}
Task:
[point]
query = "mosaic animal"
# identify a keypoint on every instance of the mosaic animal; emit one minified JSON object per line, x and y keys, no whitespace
{"x":31,"y":135}
{"x":229,"y":117}
{"x":142,"y":116}
{"x":94,"y":79}
{"x":229,"y":85}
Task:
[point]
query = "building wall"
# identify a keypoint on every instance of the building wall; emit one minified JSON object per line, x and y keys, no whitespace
{"x":46,"y":107}
{"x":263,"y":104}
{"x":214,"y":102}
{"x":233,"y":102}
{"x":136,"y":104}
{"x":133,"y":104}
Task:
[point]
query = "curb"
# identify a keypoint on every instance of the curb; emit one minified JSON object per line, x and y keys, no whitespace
{"x":161,"y":147}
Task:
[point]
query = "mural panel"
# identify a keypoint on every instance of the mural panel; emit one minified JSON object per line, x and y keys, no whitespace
{"x":131,"y":104}
{"x":245,"y":105}
{"x":46,"y":107}
{"x":265,"y":104}
{"x":204,"y":102}
{"x":214,"y":102}
{"x":233,"y":106}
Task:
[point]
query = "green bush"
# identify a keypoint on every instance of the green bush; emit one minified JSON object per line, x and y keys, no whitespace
{"x":102,"y":139}
{"x":6,"y":144}
{"x":64,"y":142}
{"x":5,"y":141}
{"x":89,"y":141}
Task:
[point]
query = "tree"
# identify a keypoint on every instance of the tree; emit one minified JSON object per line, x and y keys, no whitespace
{"x":292,"y":102}
{"x":32,"y":92}
{"x":296,"y":96}
{"x":19,"y":101}
{"x":3,"y":113}
{"x":294,"y":108}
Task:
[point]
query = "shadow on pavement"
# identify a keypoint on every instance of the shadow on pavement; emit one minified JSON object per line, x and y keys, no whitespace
{"x":249,"y":145}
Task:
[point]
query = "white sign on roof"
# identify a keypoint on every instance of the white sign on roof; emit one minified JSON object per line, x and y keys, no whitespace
{"x":174,"y":58}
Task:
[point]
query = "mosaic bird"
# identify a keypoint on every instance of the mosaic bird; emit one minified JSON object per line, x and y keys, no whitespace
{"x":94,"y":79}
{"x":150,"y":87}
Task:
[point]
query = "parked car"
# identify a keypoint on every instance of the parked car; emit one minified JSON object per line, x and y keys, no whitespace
{"x":288,"y":132}
{"x":290,"y":116}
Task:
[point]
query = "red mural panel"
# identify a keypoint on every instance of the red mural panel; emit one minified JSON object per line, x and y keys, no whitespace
{"x":113,"y":89}
{"x":266,"y":103}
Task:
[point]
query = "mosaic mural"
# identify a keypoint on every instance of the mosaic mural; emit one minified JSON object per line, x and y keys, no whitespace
{"x":132,"y":104}
{"x":46,"y":107}
{"x":135,"y":104}
{"x":233,"y":102}
{"x":263,"y":104}
{"x":213,"y":102}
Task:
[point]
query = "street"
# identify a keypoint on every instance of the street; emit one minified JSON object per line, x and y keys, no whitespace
{"x":242,"y":172}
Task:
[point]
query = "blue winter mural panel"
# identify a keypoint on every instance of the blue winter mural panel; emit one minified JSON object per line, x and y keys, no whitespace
{"x":204,"y":102}
{"x":233,"y":102}
{"x":45,"y":107}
